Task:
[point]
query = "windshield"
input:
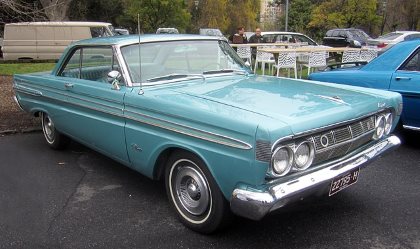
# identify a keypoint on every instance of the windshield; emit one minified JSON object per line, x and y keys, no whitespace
{"x":182,"y":58}
{"x":390,"y":36}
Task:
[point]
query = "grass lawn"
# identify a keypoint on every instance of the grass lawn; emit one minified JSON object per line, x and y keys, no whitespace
{"x":18,"y":68}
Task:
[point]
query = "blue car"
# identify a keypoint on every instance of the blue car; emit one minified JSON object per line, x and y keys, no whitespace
{"x":187,"y":109}
{"x":397,"y":70}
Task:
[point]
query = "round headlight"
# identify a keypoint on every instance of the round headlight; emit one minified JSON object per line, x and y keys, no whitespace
{"x":388,"y":123}
{"x":379,"y":127}
{"x":282,"y":160}
{"x":304,"y":155}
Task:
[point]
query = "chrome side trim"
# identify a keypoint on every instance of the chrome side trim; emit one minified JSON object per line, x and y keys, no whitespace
{"x":232,"y":142}
{"x":58,"y":92}
{"x":408,"y":127}
{"x":252,"y":203}
{"x":28,"y":91}
{"x":17,"y":102}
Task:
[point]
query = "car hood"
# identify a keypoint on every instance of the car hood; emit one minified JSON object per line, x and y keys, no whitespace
{"x":303,"y":105}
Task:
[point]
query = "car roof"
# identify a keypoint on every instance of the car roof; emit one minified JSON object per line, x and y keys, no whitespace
{"x":406,"y":32}
{"x":279,"y":33}
{"x":394,"y":57}
{"x":67,"y":23}
{"x":132,"y":39}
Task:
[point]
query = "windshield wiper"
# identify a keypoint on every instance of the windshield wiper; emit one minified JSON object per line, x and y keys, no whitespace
{"x":175,"y":76}
{"x":237,"y":71}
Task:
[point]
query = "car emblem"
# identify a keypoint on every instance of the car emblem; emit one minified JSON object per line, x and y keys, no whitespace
{"x":381,"y":105}
{"x":324,"y":141}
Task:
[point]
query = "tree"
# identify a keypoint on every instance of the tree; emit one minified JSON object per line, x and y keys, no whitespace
{"x":345,"y":14}
{"x":243,"y":13}
{"x":211,"y":14}
{"x":20,"y":11}
{"x":56,"y":10}
{"x":156,"y":14}
{"x":299,"y":15}
{"x":96,"y":10}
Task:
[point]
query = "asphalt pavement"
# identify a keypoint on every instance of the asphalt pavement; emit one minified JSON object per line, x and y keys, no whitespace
{"x":77,"y":198}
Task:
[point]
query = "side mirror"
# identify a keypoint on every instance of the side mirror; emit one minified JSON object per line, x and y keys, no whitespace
{"x":248,"y":64}
{"x":114,"y":78}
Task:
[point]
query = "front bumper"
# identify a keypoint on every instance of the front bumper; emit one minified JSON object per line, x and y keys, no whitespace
{"x":255,"y":204}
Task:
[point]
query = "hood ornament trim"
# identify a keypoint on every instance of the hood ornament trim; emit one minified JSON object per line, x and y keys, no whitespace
{"x":335,"y":99}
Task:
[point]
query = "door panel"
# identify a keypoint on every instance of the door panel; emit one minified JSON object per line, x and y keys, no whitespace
{"x":96,"y":114}
{"x":408,"y":84}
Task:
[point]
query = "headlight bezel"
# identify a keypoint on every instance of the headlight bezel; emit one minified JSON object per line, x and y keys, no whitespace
{"x":311,"y":156}
{"x":389,"y":120}
{"x":379,"y":127}
{"x":290,"y":161}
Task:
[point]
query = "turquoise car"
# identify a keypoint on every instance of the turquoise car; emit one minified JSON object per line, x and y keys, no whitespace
{"x":397,"y":70}
{"x":187,"y":109}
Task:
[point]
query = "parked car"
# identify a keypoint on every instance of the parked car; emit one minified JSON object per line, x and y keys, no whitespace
{"x":47,"y":40}
{"x":345,"y":38}
{"x":167,"y":31}
{"x":390,"y":39}
{"x":279,"y":36}
{"x":397,"y":70}
{"x":190,"y":111}
{"x":212,"y":32}
{"x":121,"y":31}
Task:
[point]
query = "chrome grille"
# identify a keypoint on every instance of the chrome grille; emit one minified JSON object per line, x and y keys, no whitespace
{"x":338,"y":142}
{"x":263,"y":151}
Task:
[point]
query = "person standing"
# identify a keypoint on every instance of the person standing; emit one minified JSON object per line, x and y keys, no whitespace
{"x":256,"y":38}
{"x":239,"y":37}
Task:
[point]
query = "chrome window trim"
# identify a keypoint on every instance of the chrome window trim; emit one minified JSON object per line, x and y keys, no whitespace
{"x":417,"y":49}
{"x":136,"y":84}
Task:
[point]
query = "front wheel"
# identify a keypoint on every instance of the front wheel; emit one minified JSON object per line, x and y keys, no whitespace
{"x":54,"y":138}
{"x":194,"y":194}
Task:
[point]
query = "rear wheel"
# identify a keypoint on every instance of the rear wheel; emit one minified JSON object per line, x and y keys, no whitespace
{"x":54,"y":138}
{"x":194,"y":194}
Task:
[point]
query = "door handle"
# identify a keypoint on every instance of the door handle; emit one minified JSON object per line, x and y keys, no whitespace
{"x":68,"y":85}
{"x":402,"y":78}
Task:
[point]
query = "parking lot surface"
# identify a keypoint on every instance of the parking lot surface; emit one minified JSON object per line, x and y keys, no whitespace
{"x":77,"y":198}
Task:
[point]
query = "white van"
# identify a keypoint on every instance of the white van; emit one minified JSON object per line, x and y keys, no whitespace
{"x":47,"y":40}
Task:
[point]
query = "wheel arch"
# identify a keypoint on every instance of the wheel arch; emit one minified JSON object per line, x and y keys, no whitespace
{"x":165,"y":154}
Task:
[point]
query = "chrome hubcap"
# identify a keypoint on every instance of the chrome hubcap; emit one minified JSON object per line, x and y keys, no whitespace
{"x":48,"y":127}
{"x":192,"y":190}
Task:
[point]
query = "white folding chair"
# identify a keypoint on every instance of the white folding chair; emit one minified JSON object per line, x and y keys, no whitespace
{"x":286,"y":60}
{"x":263,"y":58}
{"x":350,"y":56}
{"x":368,"y":55}
{"x":244,"y":52}
{"x":316,"y":59}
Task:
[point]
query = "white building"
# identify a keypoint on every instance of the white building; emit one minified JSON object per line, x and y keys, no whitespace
{"x":270,"y":13}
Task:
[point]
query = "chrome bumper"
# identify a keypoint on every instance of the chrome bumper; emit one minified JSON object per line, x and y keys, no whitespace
{"x":255,"y":204}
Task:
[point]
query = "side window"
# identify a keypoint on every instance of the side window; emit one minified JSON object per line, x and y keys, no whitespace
{"x":97,"y":62}
{"x":98,"y":32}
{"x":413,"y":64}
{"x":72,"y":68}
{"x":411,"y":37}
{"x":91,"y":63}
